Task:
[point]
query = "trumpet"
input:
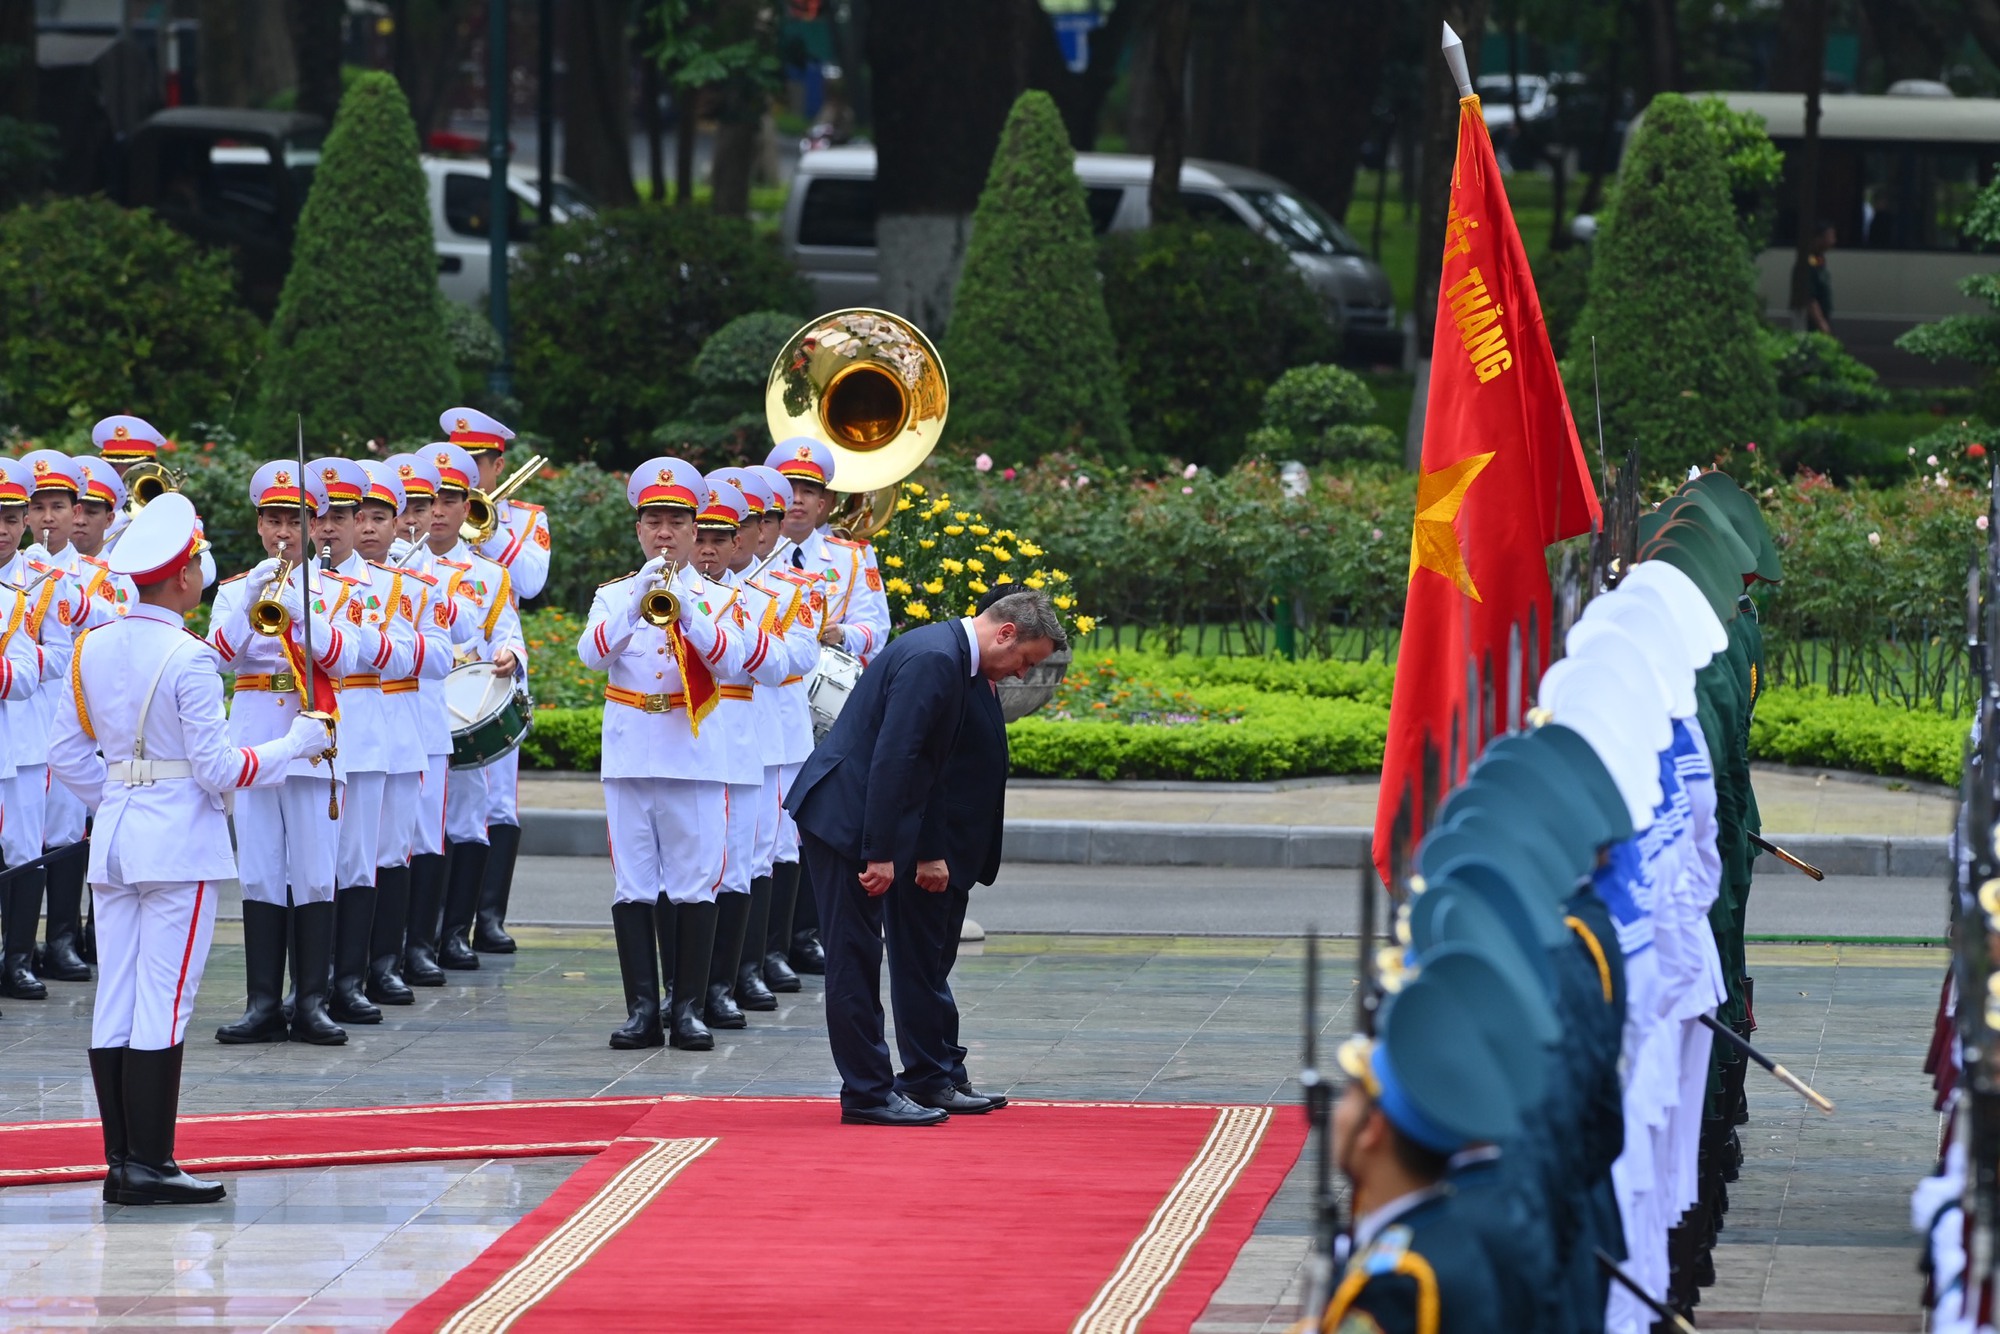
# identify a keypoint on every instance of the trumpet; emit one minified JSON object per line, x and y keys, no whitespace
{"x":268,"y":615}
{"x":482,"y":511}
{"x":660,"y":607}
{"x":146,"y":481}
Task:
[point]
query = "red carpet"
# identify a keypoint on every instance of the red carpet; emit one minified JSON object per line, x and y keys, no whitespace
{"x":1044,"y":1216}
{"x":50,"y":1151}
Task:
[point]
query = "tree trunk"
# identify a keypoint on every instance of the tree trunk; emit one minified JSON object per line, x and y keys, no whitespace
{"x":687,"y":128}
{"x":1812,"y":44}
{"x":430,"y":45}
{"x":656,"y":130}
{"x":1663,"y":46}
{"x":1080,"y":97}
{"x":596,"y":98}
{"x":1439,"y":154}
{"x":1224,"y":72}
{"x":740,"y":108}
{"x":316,"y":28}
{"x":942,"y":81}
{"x":1169,"y":147}
{"x":1321,"y":79}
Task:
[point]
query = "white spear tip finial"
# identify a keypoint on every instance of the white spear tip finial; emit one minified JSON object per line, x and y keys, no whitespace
{"x":1454,"y":57}
{"x":1451,"y":38}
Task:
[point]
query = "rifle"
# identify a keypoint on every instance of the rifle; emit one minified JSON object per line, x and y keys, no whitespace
{"x":1796,"y":863}
{"x":1318,"y":1093}
{"x":1975,"y":899}
{"x":1785,"y":1077}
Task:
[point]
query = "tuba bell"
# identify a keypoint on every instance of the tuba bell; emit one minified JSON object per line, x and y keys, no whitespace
{"x":146,"y":481}
{"x":869,"y":385}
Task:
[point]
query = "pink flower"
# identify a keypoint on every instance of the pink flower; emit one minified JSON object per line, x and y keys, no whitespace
{"x":984,"y":463}
{"x":1007,"y":473}
{"x":1751,"y":446}
{"x":1190,"y":471}
{"x":1187,"y":490}
{"x":1980,"y":523}
{"x":1375,"y":534}
{"x":1083,"y":479}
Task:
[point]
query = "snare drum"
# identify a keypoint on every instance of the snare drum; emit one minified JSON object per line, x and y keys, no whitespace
{"x":828,"y":686}
{"x":489,"y":711}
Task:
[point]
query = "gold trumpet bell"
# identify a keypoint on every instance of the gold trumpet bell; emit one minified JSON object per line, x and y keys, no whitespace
{"x":146,"y":481}
{"x":867,"y":383}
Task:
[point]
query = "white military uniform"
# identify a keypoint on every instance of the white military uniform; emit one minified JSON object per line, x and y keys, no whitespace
{"x":161,"y":840}
{"x":39,"y":620}
{"x":284,"y":835}
{"x":462,"y":634}
{"x":802,"y":617}
{"x":482,"y":593}
{"x":852,"y":583}
{"x":779,"y":708}
{"x":520,"y":546}
{"x":370,"y":601}
{"x":406,"y":718}
{"x":81,"y":609}
{"x":664,"y":774}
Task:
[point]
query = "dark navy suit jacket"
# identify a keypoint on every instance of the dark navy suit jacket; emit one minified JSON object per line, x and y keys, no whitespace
{"x":973,"y":796}
{"x":870,"y":790}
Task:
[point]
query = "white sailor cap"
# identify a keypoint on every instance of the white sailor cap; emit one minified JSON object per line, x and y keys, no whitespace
{"x":1643,"y":614}
{"x":101,"y":482}
{"x":474,"y":430}
{"x":384,"y":486}
{"x":159,"y":542}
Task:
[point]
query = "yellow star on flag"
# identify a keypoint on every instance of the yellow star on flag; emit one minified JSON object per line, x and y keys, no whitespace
{"x":1433,"y":541}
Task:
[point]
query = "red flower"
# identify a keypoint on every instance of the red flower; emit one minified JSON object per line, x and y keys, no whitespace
{"x":1975,"y":451}
{"x":170,"y":447}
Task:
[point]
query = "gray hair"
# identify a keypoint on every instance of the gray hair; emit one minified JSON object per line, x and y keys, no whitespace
{"x":1031,"y":614}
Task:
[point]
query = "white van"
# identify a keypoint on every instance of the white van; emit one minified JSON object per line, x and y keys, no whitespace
{"x":1896,"y":177}
{"x":829,"y":230}
{"x":461,"y":198}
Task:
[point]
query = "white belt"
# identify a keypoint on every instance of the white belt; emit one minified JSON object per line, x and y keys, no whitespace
{"x":143,"y":773}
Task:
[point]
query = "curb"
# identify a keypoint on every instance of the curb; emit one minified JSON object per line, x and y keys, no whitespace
{"x":554,"y":833}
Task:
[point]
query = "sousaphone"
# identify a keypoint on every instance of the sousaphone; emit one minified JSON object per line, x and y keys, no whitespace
{"x":872,"y":388}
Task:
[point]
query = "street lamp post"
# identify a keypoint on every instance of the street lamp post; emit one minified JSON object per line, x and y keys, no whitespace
{"x":501,"y":381}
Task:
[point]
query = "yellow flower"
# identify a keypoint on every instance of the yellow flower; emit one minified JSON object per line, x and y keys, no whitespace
{"x":972,"y":609}
{"x":953,"y":529}
{"x":1059,"y":576}
{"x":1001,"y":553}
{"x":976,"y":586}
{"x":953,"y":566}
{"x":1035,"y":581}
{"x":1085,"y":624}
{"x":980,"y":530}
{"x":1028,"y":549}
{"x":962,"y":515}
{"x":914,"y":488}
{"x":1063,"y":603}
{"x":1007,"y":533}
{"x":976,"y":565}
{"x":916,"y":611}
{"x":899,"y":586}
{"x":926,"y":543}
{"x":1004,"y":579}
{"x":934,"y":586}
{"x":893,"y":562}
{"x":902,"y":503}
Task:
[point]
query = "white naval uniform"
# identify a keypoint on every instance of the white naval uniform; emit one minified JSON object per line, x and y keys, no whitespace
{"x":789,"y":619}
{"x":462,"y":636}
{"x":852,"y":584}
{"x":664,"y":801}
{"x":26,"y":792}
{"x":482,"y":592}
{"x":159,"y":849}
{"x":284,"y":835}
{"x":404,"y":707}
{"x":740,"y":763}
{"x":519,"y":545}
{"x":365,"y":744}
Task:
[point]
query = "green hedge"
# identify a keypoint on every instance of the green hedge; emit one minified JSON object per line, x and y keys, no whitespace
{"x":1280,"y":736}
{"x":1805,"y":725}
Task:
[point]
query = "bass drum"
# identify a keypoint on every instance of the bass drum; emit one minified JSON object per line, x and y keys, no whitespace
{"x":828,"y":687}
{"x":489,"y":710}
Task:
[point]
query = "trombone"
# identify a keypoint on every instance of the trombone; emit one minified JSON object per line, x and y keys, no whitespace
{"x":482,"y":511}
{"x":268,"y":615}
{"x":145,"y":482}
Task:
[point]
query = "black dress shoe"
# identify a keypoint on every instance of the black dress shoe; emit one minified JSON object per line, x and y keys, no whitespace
{"x":808,"y":956}
{"x":954,"y":1102}
{"x":751,"y":993}
{"x":722,"y":1010}
{"x":998,"y":1100}
{"x":143,"y":1183}
{"x":778,"y":974}
{"x":898,"y":1111}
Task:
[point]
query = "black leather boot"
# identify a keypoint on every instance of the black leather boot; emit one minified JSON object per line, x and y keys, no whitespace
{"x":312,"y":970}
{"x":750,"y":992}
{"x":107,"y":1073}
{"x":639,"y":967}
{"x":464,"y":874}
{"x":62,"y":959}
{"x":264,"y":945}
{"x":805,"y":953}
{"x":489,"y":929}
{"x":152,"y":1101}
{"x":385,"y":985}
{"x":778,"y":974}
{"x":420,"y":965}
{"x":353,"y":931}
{"x":17,"y":939}
{"x":86,"y":946}
{"x":691,"y":943}
{"x":732,"y":916}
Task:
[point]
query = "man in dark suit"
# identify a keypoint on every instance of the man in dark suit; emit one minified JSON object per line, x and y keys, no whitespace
{"x":872,"y":818}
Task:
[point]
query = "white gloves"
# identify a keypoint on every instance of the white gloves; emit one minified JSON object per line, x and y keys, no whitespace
{"x":650,"y":575}
{"x":308,"y":737}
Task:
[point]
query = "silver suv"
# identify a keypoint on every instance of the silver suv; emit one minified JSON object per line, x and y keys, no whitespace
{"x":829,"y":230}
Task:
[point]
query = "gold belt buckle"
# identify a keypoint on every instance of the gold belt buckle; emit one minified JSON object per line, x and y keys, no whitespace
{"x":283,"y":681}
{"x":657,"y":703}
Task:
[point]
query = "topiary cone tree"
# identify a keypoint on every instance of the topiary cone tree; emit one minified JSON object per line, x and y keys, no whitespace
{"x":1673,"y":304}
{"x":358,"y":344}
{"x":1033,"y":365}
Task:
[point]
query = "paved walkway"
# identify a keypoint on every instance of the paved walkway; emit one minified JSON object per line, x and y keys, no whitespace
{"x":1793,"y":801}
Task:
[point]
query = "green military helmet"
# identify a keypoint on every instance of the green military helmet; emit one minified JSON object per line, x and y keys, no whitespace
{"x":1748,"y":517}
{"x":1516,"y":1022}
{"x":1587,"y":773}
{"x":1449,"y":842}
{"x":1708,"y":511}
{"x":1431,"y":1073}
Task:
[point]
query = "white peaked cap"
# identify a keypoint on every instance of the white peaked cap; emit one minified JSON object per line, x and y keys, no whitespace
{"x":1699,"y":625}
{"x":1643,"y":614}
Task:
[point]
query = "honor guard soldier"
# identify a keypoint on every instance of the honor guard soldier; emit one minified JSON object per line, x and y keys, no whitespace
{"x":793,"y":714}
{"x":23,"y":665}
{"x":286,"y":834}
{"x":144,"y":692}
{"x":520,"y":545}
{"x":375,"y":531}
{"x":797,"y":643}
{"x":483,"y":595}
{"x":658,"y":635}
{"x":99,"y":507}
{"x":123,"y":441}
{"x":733,"y":732}
{"x":366,"y":599}
{"x":39,"y":619}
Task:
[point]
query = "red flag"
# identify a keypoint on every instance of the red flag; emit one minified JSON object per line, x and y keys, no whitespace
{"x":1503,"y":476}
